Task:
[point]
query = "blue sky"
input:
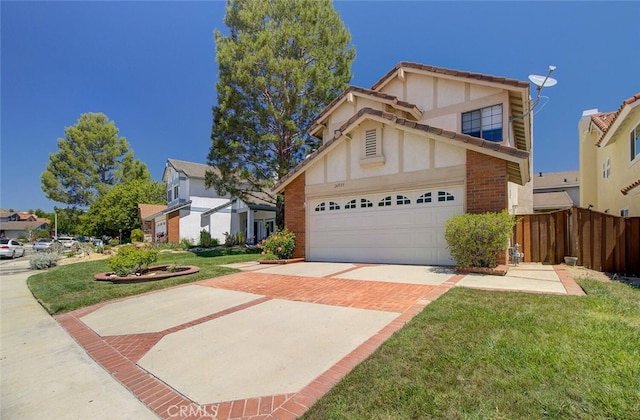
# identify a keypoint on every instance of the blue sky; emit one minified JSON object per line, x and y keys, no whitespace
{"x":150,"y":67}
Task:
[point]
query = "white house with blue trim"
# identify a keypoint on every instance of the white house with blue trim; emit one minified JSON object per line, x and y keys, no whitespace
{"x":192,"y":208}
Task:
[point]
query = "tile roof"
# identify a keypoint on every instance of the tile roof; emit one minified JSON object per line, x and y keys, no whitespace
{"x":21,"y":226}
{"x":450,"y":72}
{"x":631,"y":186}
{"x":551,"y":200}
{"x":147,"y":210}
{"x":605,"y":120}
{"x":407,"y":106}
{"x":556,"y":179}
{"x":463,"y":139}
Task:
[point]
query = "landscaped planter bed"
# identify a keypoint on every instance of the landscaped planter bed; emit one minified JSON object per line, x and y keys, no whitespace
{"x":157,"y":272}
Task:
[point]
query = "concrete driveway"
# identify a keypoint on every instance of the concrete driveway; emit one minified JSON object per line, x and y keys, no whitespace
{"x":269,"y":341}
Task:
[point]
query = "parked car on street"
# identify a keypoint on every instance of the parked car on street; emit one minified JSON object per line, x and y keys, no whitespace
{"x":67,"y":242}
{"x":10,"y":248}
{"x":46,"y":245}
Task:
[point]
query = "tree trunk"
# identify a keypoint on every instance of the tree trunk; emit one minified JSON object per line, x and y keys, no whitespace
{"x":280,"y":212}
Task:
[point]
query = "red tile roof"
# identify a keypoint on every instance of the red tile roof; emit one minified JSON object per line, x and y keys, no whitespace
{"x":629,"y":187}
{"x":605,"y":120}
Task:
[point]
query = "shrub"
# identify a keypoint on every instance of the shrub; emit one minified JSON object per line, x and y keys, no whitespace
{"x":205,"y":239}
{"x":280,"y":244}
{"x":137,"y":235}
{"x":476,"y":240}
{"x":43,"y":234}
{"x":187,"y":242}
{"x":229,"y":240}
{"x":43,"y":260}
{"x":131,"y":260}
{"x":114,"y":242}
{"x":240,"y":238}
{"x":22,"y":238}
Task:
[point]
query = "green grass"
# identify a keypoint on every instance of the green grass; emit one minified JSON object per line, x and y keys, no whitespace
{"x":494,"y":355}
{"x":68,"y":287}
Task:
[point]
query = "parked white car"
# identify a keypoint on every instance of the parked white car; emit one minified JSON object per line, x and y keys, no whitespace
{"x":67,"y":242}
{"x":10,"y":248}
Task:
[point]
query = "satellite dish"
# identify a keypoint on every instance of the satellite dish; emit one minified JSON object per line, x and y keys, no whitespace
{"x":542,"y":81}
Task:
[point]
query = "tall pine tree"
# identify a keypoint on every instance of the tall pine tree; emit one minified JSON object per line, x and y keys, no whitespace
{"x":281,"y":64}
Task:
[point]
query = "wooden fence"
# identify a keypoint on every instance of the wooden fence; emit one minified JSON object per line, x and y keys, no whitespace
{"x":601,"y":241}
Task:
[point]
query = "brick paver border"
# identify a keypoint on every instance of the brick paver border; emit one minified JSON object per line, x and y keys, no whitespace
{"x":119,"y":354}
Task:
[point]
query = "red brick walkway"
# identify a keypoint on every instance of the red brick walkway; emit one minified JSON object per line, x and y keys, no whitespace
{"x":119,"y":354}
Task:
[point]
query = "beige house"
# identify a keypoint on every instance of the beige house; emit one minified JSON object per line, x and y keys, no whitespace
{"x":610,"y":159}
{"x":397,"y":160}
{"x":554,"y":191}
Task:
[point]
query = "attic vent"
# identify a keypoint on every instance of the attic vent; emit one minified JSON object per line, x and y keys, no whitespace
{"x":370,"y":143}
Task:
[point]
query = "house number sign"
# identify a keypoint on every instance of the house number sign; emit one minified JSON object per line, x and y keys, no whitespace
{"x":338,"y":185}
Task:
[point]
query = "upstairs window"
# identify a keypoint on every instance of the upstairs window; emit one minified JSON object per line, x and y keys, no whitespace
{"x":635,"y":142}
{"x":606,"y":168}
{"x":175,"y":192}
{"x":485,"y":123}
{"x":168,"y":196}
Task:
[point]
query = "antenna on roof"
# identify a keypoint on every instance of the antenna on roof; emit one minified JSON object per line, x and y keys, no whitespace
{"x":541,"y":82}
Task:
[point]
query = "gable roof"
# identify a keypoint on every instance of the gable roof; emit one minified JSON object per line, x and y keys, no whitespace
{"x":444,"y":72}
{"x":606,"y":120}
{"x":190,"y":169}
{"x":23,"y":226}
{"x":552,"y":200}
{"x":410,"y":109}
{"x":556,"y":179}
{"x":517,"y":160}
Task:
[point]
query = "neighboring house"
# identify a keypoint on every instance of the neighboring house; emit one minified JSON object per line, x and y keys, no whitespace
{"x":556,"y":191}
{"x":192,"y":208}
{"x":610,"y":159}
{"x":152,"y":232}
{"x":397,"y":160}
{"x":26,"y":229}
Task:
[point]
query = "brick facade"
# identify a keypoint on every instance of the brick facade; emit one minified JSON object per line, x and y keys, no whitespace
{"x":294,"y":213}
{"x":487,"y":189}
{"x":486,"y":183}
{"x":173,"y":227}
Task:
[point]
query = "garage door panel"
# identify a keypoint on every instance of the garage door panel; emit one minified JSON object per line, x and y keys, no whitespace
{"x":398,"y":233}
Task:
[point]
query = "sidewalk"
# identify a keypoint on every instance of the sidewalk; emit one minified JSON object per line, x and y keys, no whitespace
{"x":45,"y":374}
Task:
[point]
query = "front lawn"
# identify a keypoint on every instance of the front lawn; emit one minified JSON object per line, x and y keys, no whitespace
{"x":502,"y":355}
{"x":68,"y":287}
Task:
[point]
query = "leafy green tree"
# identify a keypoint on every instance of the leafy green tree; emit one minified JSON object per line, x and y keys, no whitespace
{"x":68,"y":220}
{"x":91,"y":158}
{"x":281,"y":64}
{"x":118,"y":209}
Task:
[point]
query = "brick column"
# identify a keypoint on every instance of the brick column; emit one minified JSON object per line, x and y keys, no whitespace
{"x":487,"y":189}
{"x":294,"y":213}
{"x":173,"y":227}
{"x":486,"y":183}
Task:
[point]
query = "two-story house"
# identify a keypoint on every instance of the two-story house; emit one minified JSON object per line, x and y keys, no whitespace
{"x":192,"y":208}
{"x":397,"y":160}
{"x":610,"y":159}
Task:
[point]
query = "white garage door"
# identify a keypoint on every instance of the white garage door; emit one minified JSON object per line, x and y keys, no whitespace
{"x":400,"y":227}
